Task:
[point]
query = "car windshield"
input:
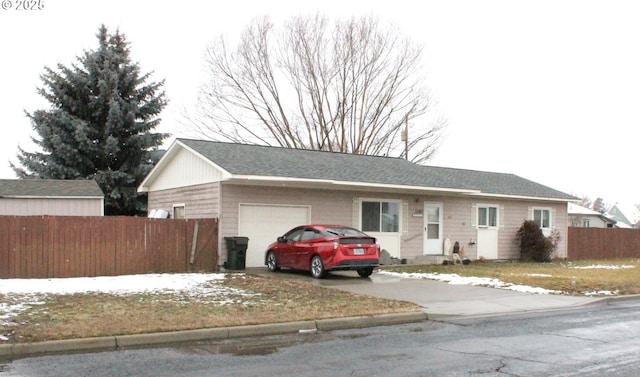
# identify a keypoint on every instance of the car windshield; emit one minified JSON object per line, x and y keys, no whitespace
{"x":335,"y":231}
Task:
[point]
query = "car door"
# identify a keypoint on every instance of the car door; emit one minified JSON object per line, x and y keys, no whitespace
{"x":287,"y":248}
{"x":305,"y":248}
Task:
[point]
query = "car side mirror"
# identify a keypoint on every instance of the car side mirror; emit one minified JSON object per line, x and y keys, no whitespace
{"x":282,"y":240}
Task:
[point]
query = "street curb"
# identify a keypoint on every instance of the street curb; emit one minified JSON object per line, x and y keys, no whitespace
{"x":612,"y":299}
{"x":58,"y":346}
{"x":113,"y":343}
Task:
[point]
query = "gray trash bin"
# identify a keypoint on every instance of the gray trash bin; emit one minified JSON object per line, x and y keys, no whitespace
{"x":236,"y":252}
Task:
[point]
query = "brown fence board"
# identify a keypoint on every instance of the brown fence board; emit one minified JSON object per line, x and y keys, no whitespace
{"x":67,"y":246}
{"x":603,"y":243}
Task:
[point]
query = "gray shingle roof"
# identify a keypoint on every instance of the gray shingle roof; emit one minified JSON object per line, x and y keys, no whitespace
{"x":49,"y":188}
{"x":257,"y":160}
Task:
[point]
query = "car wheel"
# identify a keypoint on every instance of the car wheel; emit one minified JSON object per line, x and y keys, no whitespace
{"x":317,"y":267}
{"x":365,"y":272}
{"x":272,"y":263}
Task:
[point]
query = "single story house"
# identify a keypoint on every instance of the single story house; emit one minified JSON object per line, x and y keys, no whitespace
{"x":53,"y":197}
{"x":260,"y":192}
{"x":581,"y":217}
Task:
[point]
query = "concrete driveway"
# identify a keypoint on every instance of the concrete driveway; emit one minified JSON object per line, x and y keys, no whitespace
{"x":439,"y":300}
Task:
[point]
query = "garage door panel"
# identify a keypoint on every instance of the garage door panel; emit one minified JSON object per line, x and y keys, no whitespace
{"x":264,"y":223}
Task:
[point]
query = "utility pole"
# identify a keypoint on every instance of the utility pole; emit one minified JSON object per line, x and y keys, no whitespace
{"x":405,"y":137}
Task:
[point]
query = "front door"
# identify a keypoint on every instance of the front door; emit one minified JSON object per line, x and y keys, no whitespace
{"x":432,"y":228}
{"x":488,"y":243}
{"x":488,"y":225}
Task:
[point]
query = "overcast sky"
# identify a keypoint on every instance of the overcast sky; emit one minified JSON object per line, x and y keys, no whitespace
{"x":547,"y":90}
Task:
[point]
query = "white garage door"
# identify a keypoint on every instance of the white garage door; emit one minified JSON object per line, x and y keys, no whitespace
{"x":264,"y":223}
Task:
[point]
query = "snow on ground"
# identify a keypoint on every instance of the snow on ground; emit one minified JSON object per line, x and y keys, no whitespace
{"x":23,"y":294}
{"x":603,"y":266}
{"x":465,"y":280}
{"x":495,"y":283}
{"x":109,"y":284}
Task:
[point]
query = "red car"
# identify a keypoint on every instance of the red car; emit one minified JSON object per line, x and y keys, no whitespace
{"x":322,"y":248}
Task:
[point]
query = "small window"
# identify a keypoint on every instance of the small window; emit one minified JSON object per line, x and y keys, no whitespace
{"x":179,"y":211}
{"x":542,"y":217}
{"x":586,"y":223}
{"x":487,"y":216}
{"x":380,"y":216}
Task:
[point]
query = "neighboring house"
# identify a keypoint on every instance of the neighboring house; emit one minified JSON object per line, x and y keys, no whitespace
{"x":261,"y":192}
{"x":30,"y":197}
{"x":582,"y":217}
{"x":627,"y":215}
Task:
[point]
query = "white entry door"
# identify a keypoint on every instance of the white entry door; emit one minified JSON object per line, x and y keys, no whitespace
{"x":433,"y":228}
{"x":488,"y":243}
{"x":488,"y":225}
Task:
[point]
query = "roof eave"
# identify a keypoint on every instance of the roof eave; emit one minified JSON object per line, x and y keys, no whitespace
{"x":523,"y":197}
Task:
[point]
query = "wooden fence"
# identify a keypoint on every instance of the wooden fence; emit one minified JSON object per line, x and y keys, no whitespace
{"x":603,"y":243}
{"x":66,"y":246}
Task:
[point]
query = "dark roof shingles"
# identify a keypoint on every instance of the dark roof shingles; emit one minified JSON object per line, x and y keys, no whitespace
{"x":50,"y":188}
{"x":244,"y":159}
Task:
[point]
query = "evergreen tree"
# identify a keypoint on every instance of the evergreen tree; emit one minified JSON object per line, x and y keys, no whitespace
{"x":99,"y":126}
{"x":599,"y":205}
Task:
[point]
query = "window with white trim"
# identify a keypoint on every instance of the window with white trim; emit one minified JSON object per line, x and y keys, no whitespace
{"x":380,"y":216}
{"x":542,"y":217}
{"x":487,"y":216}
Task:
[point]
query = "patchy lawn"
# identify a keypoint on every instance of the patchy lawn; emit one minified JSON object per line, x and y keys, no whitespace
{"x":577,"y":278}
{"x":48,"y":309}
{"x":34,"y":310}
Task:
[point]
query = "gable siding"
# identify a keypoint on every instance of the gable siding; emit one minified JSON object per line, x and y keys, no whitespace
{"x":51,"y":207}
{"x":201,"y":201}
{"x":185,"y":169}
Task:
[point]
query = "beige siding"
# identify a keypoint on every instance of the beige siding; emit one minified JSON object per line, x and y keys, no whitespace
{"x":51,"y":207}
{"x":200,"y":201}
{"x":326,"y":207}
{"x":210,"y":200}
{"x":459,"y":224}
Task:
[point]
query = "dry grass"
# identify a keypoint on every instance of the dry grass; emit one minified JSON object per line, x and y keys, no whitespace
{"x":571,"y":278}
{"x":264,"y":300}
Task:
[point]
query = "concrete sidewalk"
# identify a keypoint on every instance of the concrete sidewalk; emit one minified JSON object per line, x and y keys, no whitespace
{"x":440,"y":300}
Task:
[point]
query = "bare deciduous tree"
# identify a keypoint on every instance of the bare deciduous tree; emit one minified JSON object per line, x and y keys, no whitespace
{"x":348,"y":86}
